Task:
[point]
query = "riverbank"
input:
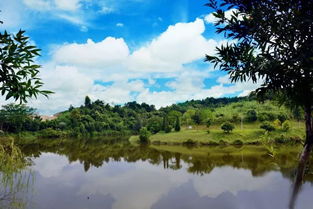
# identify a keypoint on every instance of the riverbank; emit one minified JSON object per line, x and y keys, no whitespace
{"x":249,"y":134}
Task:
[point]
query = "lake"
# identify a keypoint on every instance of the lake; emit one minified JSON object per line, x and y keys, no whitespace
{"x":81,"y":174}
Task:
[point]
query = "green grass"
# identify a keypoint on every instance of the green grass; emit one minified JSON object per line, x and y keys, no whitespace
{"x":250,"y":134}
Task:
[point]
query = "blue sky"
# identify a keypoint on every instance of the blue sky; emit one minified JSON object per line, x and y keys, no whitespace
{"x":122,"y":50}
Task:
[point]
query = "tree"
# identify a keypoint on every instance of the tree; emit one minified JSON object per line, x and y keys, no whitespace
{"x":13,"y":117}
{"x":18,"y":74}
{"x":144,"y":135}
{"x":87,"y":102}
{"x":251,"y":116}
{"x":177,"y":124}
{"x":227,"y":127}
{"x":273,"y":44}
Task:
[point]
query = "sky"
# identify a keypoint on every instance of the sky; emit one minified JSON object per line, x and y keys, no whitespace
{"x":118,"y":51}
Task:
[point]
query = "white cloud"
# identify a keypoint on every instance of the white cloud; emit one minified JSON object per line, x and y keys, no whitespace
{"x":110,"y":51}
{"x":70,"y":5}
{"x":119,"y":25}
{"x":179,"y":44}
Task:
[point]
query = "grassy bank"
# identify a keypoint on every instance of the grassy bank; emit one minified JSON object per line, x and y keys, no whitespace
{"x":249,"y":134}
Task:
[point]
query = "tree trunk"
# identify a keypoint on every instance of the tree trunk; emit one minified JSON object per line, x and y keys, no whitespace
{"x":305,"y":156}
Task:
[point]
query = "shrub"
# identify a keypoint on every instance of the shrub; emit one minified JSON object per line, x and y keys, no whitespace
{"x":144,"y":135}
{"x":286,"y":125}
{"x":282,"y":117}
{"x":208,"y":123}
{"x":277,"y":123}
{"x":227,"y":127}
{"x":237,"y":142}
{"x":251,"y":116}
{"x":267,"y":126}
{"x":168,"y":129}
{"x":50,"y":133}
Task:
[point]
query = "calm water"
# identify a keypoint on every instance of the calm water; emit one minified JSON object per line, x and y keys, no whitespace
{"x":92,"y":175}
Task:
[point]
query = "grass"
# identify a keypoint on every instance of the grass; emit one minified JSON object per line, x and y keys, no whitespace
{"x":250,"y":134}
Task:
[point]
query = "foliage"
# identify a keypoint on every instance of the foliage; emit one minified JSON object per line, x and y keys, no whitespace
{"x":272,"y":43}
{"x":144,"y":135}
{"x":267,"y":126}
{"x":18,"y":73}
{"x":277,"y":123}
{"x":177,"y":124}
{"x":16,"y":118}
{"x":251,"y":116}
{"x":227,"y":127}
{"x":286,"y":125}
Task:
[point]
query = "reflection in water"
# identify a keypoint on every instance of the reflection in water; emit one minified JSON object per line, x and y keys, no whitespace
{"x":15,"y":178}
{"x":76,"y":174}
{"x":302,"y":171}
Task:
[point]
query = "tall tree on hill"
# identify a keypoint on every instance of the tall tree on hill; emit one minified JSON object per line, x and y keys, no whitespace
{"x":87,"y":102}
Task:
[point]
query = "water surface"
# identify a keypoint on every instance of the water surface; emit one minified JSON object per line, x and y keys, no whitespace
{"x":80,"y":174}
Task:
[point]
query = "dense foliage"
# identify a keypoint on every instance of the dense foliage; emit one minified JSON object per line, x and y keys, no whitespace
{"x":272,"y":42}
{"x":96,"y":118}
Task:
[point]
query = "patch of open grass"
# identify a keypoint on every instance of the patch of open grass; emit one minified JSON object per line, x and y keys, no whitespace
{"x":250,"y":134}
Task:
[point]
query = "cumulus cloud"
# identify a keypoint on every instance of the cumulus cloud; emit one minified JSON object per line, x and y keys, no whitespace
{"x":179,"y":44}
{"x":110,"y":51}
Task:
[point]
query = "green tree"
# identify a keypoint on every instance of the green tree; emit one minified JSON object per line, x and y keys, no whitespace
{"x":177,"y":124}
{"x":18,"y":73}
{"x":87,"y":102}
{"x":251,"y":116}
{"x":144,"y":135}
{"x":13,"y":117}
{"x":227,"y":127}
{"x":273,"y":43}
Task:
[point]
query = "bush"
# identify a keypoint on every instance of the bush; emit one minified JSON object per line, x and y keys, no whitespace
{"x":277,"y":123}
{"x":282,"y":117}
{"x":267,"y":126}
{"x":237,"y":142}
{"x":286,"y":126}
{"x":50,"y":133}
{"x":251,"y":116}
{"x":144,"y":135}
{"x":168,"y":129}
{"x":208,"y":123}
{"x":227,"y":127}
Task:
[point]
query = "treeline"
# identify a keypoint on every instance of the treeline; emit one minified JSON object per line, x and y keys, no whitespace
{"x":98,"y":118}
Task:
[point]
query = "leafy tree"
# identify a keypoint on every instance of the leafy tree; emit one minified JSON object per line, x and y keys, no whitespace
{"x":13,"y":117}
{"x":177,"y":124}
{"x":154,"y":124}
{"x":227,"y":127}
{"x":87,"y":102}
{"x":144,"y":135}
{"x":251,"y":116}
{"x":273,"y":43}
{"x":165,"y":125}
{"x":267,"y":126}
{"x":18,"y":74}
